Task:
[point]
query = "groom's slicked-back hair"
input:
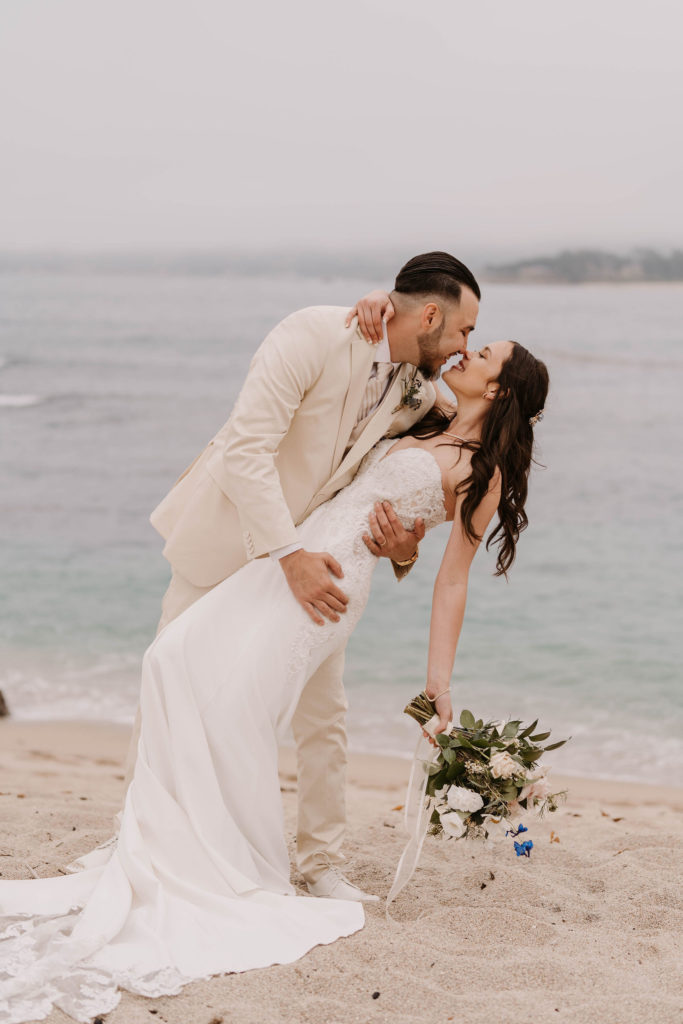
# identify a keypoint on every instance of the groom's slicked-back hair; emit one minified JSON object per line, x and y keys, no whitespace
{"x":436,"y":273}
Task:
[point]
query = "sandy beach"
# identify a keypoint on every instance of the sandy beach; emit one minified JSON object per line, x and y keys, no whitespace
{"x":590,"y":928}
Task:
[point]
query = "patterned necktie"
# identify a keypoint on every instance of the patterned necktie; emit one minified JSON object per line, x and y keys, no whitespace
{"x":375,"y":389}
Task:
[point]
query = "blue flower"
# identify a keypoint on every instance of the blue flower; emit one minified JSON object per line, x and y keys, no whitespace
{"x":516,"y":831}
{"x":524,"y":849}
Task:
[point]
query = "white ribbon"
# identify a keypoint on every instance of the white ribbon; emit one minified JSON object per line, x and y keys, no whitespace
{"x":416,"y":811}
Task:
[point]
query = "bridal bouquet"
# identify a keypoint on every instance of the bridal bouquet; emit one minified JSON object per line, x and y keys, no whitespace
{"x":485,"y":773}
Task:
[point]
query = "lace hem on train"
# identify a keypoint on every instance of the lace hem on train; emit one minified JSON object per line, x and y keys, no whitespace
{"x":35,"y":977}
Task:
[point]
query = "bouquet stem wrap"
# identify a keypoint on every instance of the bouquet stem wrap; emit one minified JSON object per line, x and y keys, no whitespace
{"x":415,"y":818}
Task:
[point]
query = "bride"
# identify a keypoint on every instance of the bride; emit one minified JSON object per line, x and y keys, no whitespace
{"x":198,"y":882}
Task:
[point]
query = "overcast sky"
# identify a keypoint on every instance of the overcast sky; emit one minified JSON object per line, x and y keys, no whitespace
{"x":490,"y":127}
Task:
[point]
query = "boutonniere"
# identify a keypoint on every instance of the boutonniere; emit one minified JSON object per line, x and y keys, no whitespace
{"x":410,"y":396}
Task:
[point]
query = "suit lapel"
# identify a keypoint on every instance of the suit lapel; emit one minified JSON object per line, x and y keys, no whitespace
{"x":377,"y":426}
{"x":362,"y":356}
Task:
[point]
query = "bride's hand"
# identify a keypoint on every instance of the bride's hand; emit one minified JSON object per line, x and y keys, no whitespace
{"x":370,"y":310}
{"x":444,"y":710}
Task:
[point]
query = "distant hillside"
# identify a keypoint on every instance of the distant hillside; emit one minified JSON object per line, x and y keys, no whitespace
{"x":581,"y":265}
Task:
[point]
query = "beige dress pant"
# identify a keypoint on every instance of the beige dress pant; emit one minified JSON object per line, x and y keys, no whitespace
{"x":320,"y":735}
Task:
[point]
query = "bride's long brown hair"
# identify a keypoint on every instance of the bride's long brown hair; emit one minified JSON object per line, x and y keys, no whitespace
{"x":507,"y":442}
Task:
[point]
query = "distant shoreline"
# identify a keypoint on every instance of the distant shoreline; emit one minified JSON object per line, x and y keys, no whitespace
{"x":484,"y":278}
{"x":587,"y":266}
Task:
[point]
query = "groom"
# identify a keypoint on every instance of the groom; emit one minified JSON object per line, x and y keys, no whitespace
{"x":316,"y":398}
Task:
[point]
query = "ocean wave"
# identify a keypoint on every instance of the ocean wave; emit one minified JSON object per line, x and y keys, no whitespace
{"x":599,"y":748}
{"x":40,"y":686}
{"x":19,"y":401}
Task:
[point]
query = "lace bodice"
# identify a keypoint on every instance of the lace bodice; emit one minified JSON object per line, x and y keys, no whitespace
{"x":410,"y":478}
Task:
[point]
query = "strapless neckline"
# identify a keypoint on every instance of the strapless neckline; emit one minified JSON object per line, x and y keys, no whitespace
{"x":433,"y":461}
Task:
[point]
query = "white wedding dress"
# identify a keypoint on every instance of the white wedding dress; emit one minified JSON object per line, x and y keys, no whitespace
{"x":197,"y":882}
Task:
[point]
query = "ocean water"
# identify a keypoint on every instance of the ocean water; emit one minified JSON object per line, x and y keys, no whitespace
{"x":110,"y":383}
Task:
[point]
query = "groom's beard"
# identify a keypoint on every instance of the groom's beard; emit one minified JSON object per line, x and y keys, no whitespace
{"x":430,"y":358}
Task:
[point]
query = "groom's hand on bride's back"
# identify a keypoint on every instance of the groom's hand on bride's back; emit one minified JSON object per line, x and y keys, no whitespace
{"x":309,"y":579}
{"x":389,"y":539}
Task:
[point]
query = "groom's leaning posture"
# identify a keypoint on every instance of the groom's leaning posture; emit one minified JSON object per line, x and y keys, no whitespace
{"x":316,"y":398}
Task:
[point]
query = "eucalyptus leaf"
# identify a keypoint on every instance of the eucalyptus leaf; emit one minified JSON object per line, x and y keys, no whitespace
{"x":539,"y":736}
{"x":554,"y":746}
{"x":529,"y":729}
{"x":528,"y":755}
{"x":467,"y":719}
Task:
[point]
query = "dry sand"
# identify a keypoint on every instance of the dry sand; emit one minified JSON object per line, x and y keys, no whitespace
{"x":590,"y":929}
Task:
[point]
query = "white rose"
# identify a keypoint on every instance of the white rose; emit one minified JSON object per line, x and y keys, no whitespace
{"x":535,"y":791}
{"x":502,"y":765}
{"x":452,"y":824}
{"x":495,"y":828}
{"x":461,"y":799}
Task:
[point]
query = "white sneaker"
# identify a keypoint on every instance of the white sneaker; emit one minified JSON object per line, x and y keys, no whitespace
{"x":335,"y":886}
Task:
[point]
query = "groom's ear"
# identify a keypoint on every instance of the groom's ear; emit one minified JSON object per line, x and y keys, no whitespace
{"x":431,"y":316}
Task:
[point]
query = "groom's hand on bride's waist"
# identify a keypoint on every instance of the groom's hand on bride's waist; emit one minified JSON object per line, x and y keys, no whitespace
{"x":389,"y":539}
{"x":309,"y":579}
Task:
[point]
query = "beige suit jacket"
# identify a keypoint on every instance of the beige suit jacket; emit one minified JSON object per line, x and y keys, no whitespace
{"x":281,"y":453}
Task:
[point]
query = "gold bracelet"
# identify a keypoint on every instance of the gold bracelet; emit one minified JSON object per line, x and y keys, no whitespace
{"x":411,"y":560}
{"x":434,"y":699}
